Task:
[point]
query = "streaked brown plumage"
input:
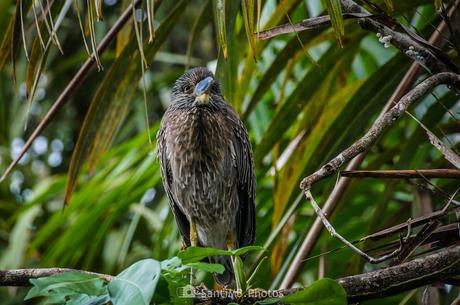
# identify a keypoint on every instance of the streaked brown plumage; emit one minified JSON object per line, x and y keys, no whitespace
{"x":207,"y":167}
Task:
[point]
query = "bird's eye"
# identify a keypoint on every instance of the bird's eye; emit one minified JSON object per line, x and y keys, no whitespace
{"x":188,"y":89}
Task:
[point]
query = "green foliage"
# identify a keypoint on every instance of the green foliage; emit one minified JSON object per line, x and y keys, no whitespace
{"x":137,"y":284}
{"x":322,"y":292}
{"x":70,"y":288}
{"x":303,"y":101}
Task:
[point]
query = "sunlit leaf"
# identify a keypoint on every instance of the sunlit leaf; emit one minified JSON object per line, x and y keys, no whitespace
{"x":135,"y":285}
{"x":196,"y":254}
{"x":67,"y":283}
{"x":323,"y":292}
{"x":216,"y":268}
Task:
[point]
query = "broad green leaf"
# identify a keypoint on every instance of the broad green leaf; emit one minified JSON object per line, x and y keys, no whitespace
{"x":334,"y":9}
{"x":244,"y":250}
{"x":67,"y":283}
{"x":216,"y":268}
{"x":135,"y":285}
{"x":112,"y":101}
{"x":86,"y":300}
{"x":323,"y":292}
{"x":240,"y":277}
{"x":196,"y":254}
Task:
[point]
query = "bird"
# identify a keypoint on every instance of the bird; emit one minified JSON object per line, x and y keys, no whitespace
{"x":207,"y":168}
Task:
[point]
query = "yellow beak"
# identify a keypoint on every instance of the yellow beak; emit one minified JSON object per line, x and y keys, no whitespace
{"x":203,"y":98}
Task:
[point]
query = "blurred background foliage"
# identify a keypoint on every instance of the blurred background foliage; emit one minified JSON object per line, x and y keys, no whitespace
{"x":305,"y":99}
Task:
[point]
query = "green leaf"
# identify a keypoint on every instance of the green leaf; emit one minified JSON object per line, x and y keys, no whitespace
{"x":196,"y":254}
{"x":323,"y":292}
{"x":240,"y":277}
{"x":135,"y":285}
{"x":247,"y":249}
{"x":215,"y":268}
{"x":86,"y":300}
{"x":221,"y":28}
{"x":247,"y":7}
{"x":67,"y":283}
{"x":334,"y":9}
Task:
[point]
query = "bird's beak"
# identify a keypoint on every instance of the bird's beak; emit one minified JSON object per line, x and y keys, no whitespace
{"x":202,"y":90}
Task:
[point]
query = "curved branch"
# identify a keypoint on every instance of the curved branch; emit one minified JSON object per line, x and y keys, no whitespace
{"x":382,"y":123}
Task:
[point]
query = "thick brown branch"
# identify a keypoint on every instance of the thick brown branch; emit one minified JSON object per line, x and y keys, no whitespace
{"x":21,"y":277}
{"x":380,"y":125}
{"x":403,"y":173}
{"x":438,"y":267}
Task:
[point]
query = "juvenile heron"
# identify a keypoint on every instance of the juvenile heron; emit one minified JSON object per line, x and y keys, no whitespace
{"x":207,"y":168}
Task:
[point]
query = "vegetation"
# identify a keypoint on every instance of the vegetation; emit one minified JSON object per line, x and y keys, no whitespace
{"x":87,"y":195}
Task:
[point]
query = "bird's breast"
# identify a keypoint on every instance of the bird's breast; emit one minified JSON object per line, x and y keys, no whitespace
{"x":200,"y":151}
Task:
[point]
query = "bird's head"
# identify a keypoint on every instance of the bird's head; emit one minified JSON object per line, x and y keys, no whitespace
{"x":196,"y":87}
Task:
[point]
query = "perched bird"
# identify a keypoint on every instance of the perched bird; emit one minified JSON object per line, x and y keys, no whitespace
{"x":207,"y":168}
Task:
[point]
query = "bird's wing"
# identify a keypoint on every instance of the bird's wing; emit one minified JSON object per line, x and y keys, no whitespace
{"x":246,"y":217}
{"x":181,"y":219}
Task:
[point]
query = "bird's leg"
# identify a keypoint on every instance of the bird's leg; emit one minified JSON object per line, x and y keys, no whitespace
{"x":194,"y":243}
{"x":231,"y":241}
{"x":193,"y":234}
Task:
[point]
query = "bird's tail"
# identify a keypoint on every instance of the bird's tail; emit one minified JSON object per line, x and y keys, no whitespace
{"x":226,"y":278}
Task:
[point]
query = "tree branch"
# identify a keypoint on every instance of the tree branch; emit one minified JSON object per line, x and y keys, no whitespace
{"x":382,"y":123}
{"x":21,"y":277}
{"x":436,"y":39}
{"x":443,"y":266}
{"x":389,"y":30}
{"x":403,"y":174}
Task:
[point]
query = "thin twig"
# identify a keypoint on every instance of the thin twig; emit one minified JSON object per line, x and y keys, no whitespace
{"x":403,"y":173}
{"x":333,"y":233}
